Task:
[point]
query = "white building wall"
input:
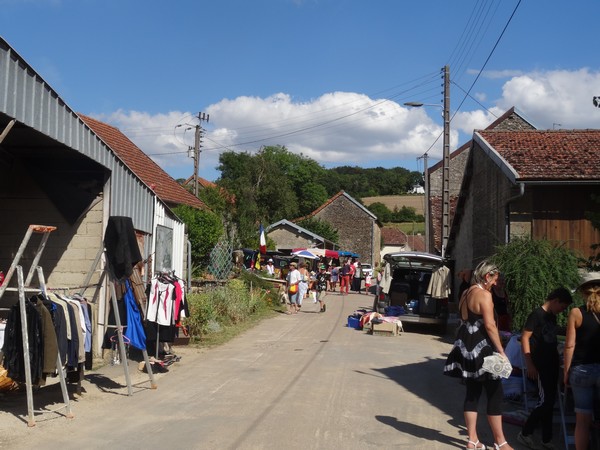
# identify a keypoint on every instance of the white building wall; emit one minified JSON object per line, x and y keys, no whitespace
{"x":163,"y":217}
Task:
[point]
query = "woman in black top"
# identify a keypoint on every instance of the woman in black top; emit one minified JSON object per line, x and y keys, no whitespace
{"x":582,"y":357}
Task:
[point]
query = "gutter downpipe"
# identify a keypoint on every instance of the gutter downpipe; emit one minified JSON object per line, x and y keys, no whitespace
{"x":507,"y":212}
{"x":189,"y":265}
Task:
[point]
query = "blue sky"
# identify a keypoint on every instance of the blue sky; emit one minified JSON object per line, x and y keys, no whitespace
{"x":325,"y":78}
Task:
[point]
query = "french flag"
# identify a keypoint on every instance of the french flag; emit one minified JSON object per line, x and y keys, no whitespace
{"x":263,"y":241}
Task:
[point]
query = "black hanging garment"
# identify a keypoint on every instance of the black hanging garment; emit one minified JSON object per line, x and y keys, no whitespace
{"x":122,"y":251}
{"x":13,"y":344}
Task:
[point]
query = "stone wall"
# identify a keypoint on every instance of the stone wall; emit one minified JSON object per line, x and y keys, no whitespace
{"x":70,"y":250}
{"x":288,"y":238}
{"x":357,"y":230}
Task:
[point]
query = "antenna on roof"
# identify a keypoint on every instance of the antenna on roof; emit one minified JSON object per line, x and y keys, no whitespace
{"x":554,"y":125}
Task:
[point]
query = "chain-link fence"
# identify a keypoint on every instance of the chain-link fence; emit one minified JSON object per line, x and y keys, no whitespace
{"x":221,"y":261}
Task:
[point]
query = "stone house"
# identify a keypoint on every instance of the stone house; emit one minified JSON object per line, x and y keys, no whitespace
{"x":358,"y":228}
{"x":510,"y":120}
{"x":535,"y":183}
{"x":395,"y":240}
{"x":289,"y":236}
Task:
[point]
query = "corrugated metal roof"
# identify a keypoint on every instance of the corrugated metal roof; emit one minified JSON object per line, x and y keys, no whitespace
{"x":26,"y":97}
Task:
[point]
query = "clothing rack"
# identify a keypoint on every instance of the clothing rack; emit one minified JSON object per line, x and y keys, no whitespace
{"x":22,"y":287}
{"x":169,"y":274}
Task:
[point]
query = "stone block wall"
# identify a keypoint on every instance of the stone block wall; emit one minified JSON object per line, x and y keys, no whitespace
{"x":357,"y":230}
{"x":70,"y":250}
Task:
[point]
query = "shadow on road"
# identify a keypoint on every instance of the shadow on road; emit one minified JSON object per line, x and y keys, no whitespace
{"x":421,"y":432}
{"x":426,"y":381}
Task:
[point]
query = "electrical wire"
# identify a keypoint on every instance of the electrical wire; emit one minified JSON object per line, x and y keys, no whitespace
{"x":327,"y":120}
{"x":487,"y":59}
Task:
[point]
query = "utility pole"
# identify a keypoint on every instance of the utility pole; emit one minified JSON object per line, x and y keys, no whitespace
{"x":426,"y":212}
{"x":197,"y":141}
{"x":446,"y":164}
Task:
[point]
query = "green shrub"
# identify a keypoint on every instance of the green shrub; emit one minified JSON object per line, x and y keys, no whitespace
{"x":227,"y":305}
{"x":532,"y":269}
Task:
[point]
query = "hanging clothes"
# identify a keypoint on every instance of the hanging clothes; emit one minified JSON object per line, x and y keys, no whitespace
{"x":13,"y":343}
{"x":50,"y":343}
{"x":386,"y":279}
{"x":135,"y":329}
{"x":439,"y":284}
{"x":161,"y":303}
{"x":73,"y":331}
{"x":79,"y":327}
{"x":62,"y":324}
{"x":122,"y":251}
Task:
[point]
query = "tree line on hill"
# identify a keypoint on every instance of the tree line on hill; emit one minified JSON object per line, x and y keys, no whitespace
{"x":274,"y":184}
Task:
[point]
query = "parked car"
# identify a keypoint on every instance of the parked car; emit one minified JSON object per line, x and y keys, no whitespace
{"x":411,"y":273}
{"x":366,"y":269}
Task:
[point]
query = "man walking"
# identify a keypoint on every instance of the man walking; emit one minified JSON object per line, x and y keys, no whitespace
{"x":539,"y":345}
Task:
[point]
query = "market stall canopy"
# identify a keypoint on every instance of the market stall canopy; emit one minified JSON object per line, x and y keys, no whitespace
{"x":304,"y":254}
{"x":346,"y":253}
{"x":324,"y":252}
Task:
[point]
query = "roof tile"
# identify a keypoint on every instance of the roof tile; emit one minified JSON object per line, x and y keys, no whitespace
{"x":163,"y":185}
{"x":549,"y":155}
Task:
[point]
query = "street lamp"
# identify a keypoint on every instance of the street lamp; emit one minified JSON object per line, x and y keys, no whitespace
{"x":445,"y":226}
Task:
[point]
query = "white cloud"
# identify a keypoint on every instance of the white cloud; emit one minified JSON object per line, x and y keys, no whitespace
{"x":343,"y":128}
{"x":337,"y":128}
{"x":558,"y":96}
{"x":468,"y":121}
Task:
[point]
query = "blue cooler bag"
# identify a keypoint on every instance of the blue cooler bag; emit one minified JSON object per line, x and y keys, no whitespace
{"x":353,"y":322}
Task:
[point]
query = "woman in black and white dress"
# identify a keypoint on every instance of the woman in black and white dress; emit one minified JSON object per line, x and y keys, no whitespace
{"x":477,"y":338}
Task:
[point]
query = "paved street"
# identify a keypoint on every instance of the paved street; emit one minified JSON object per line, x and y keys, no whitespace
{"x":302,"y":381}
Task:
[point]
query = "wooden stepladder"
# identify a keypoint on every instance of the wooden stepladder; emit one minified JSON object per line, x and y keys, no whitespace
{"x":23,"y":286}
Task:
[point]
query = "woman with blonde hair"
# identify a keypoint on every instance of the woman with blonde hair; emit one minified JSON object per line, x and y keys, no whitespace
{"x":478,"y":337}
{"x":582,"y":357}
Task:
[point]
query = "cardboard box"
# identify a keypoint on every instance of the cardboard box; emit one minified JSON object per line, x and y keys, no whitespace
{"x":385,"y":329}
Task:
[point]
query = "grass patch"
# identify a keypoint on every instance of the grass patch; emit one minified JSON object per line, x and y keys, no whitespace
{"x":222,"y":313}
{"x":229,"y":332}
{"x":409,"y":227}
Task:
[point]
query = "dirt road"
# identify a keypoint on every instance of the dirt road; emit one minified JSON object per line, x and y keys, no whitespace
{"x":304,"y":381}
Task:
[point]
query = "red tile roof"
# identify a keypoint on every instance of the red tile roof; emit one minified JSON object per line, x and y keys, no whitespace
{"x":201,"y":181}
{"x":549,"y":155}
{"x":499,"y":122}
{"x":320,"y":208}
{"x":416,"y":242}
{"x":393,"y":236}
{"x":165,"y":187}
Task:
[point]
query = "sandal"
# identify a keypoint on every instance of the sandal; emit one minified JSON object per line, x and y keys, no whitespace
{"x":497,"y":446}
{"x":475,"y":445}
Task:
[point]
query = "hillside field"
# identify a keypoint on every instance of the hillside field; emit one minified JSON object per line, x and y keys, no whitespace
{"x":392,"y":201}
